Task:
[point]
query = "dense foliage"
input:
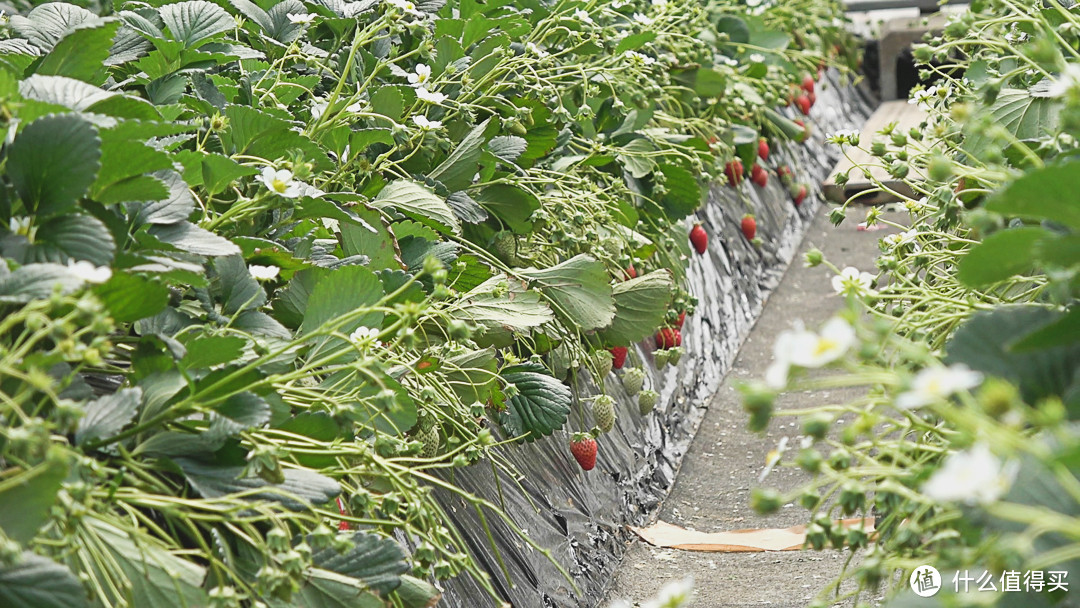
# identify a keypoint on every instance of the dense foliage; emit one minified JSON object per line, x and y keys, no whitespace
{"x":271,"y":269}
{"x":965,"y":444}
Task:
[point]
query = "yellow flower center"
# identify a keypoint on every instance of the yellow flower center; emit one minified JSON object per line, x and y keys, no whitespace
{"x":823,"y":346}
{"x":279,"y":186}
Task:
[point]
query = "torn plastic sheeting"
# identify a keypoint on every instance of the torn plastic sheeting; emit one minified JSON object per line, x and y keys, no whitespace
{"x":669,"y":536}
{"x":581,"y":518}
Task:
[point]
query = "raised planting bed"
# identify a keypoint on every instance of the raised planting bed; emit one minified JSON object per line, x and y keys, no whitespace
{"x":580,"y":517}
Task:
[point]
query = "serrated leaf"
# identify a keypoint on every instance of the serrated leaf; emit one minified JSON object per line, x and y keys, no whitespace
{"x":300,"y":489}
{"x":684,"y":194}
{"x":578,"y":290}
{"x":195,"y":21}
{"x":177,"y":207}
{"x":375,"y":561}
{"x":507,"y":148}
{"x":208,"y":351}
{"x":239,"y":412}
{"x":62,"y":91}
{"x":465,"y":208}
{"x":47,"y":23}
{"x":514,"y":206}
{"x":66,"y":237}
{"x":540,"y":406}
{"x":640,"y":306}
{"x":634,"y":42}
{"x":154,"y":576}
{"x":282,"y":29}
{"x":419,"y":203}
{"x":104,"y":417}
{"x":634,"y":157}
{"x":36,"y":282}
{"x":186,"y":236}
{"x":81,"y":54}
{"x":340,"y":292}
{"x":457,"y":171}
{"x":503,"y":305}
{"x":53,"y":162}
{"x":238,"y":289}
{"x":26,"y":498}
{"x":326,"y":589}
{"x":39,"y":582}
{"x":1000,"y":256}
{"x":984,"y":342}
{"x":1043,"y":194}
{"x":129,"y":298}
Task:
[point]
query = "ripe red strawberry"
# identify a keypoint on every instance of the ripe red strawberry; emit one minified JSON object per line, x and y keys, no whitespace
{"x":618,"y":356}
{"x":808,"y":83}
{"x":800,"y":196}
{"x":630,"y":273}
{"x":583,"y":447}
{"x":749,"y":227}
{"x":342,"y":525}
{"x":804,"y":104}
{"x":665,"y":338}
{"x":763,"y":149}
{"x":678,"y":337}
{"x":699,"y":239}
{"x":734,"y":172}
{"x":813,"y":98}
{"x":759,"y":176}
{"x":682,"y":319}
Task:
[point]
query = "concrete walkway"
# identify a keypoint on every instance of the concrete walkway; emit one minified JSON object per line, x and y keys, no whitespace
{"x":712,"y":491}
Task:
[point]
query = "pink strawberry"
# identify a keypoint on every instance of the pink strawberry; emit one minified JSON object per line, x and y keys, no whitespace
{"x":808,"y":83}
{"x":800,"y":195}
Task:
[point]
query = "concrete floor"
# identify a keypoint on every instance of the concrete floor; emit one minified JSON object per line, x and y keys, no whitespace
{"x":712,"y":491}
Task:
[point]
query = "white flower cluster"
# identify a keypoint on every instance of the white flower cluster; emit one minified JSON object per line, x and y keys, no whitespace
{"x":851,"y":281}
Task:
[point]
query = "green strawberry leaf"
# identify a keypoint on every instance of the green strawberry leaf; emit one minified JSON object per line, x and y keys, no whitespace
{"x":540,"y":406}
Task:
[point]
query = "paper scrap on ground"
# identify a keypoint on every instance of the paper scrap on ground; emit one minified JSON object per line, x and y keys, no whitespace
{"x":669,"y":536}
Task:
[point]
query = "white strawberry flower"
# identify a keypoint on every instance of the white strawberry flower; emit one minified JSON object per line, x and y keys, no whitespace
{"x":425,"y":124}
{"x":406,"y":6}
{"x":421,"y":75}
{"x":88,"y":272}
{"x":673,"y":595}
{"x":366,"y":336}
{"x":639,"y":59}
{"x":901,"y":238}
{"x":809,"y":349}
{"x":263,"y":273}
{"x":583,"y":16}
{"x":937,"y":383}
{"x":642,"y":19}
{"x":974,"y":476}
{"x":280,"y":181}
{"x":430,"y":96}
{"x":851,"y":281}
{"x":301,"y":18}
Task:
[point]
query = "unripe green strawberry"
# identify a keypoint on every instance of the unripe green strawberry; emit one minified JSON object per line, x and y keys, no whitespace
{"x":674,"y":354}
{"x":603,"y":410}
{"x":661,"y":357}
{"x":632,"y":380}
{"x":603,"y":361}
{"x":430,"y":437}
{"x":646,"y":401}
{"x":505,"y":246}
